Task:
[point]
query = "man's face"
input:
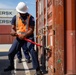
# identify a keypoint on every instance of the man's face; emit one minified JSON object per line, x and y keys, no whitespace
{"x":22,"y":14}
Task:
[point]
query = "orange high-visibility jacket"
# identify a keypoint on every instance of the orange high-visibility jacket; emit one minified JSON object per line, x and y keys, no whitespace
{"x":20,"y":26}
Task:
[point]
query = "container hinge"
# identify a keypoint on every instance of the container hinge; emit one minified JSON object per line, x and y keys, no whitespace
{"x":54,"y":70}
{"x":53,"y":32}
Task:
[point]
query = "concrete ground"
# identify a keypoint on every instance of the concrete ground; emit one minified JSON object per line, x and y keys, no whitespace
{"x":20,"y":68}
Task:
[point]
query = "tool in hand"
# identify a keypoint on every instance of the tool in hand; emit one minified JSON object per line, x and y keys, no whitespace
{"x":28,"y":40}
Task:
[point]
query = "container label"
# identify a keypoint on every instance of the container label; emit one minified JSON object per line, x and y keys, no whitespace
{"x":5,"y":21}
{"x":7,"y":13}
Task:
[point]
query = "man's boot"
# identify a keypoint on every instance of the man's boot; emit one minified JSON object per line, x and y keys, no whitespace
{"x":9,"y":68}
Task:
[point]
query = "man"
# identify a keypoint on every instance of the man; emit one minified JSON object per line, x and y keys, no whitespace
{"x":26,"y":53}
{"x":24,"y":28}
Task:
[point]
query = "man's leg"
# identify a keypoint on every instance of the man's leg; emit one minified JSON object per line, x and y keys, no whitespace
{"x":35,"y":61}
{"x":19,"y":55}
{"x":26,"y":53}
{"x":13,"y":50}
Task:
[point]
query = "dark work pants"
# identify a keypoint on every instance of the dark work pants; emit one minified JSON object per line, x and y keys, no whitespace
{"x":17,"y":44}
{"x":25,"y":51}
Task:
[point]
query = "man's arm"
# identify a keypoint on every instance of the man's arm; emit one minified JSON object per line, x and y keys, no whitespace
{"x":13,"y":30}
{"x":13,"y":26}
{"x":30,"y":31}
{"x":32,"y":25}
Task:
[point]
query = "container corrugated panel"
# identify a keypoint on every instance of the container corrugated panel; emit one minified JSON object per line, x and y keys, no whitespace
{"x":50,"y":38}
{"x":5,"y":29}
{"x":58,"y":20}
{"x":70,"y":58}
{"x":5,"y":37}
{"x":56,"y":37}
{"x":51,"y":52}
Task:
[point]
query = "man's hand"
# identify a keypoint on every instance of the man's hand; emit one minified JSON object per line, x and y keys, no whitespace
{"x":13,"y":33}
{"x":21,"y":36}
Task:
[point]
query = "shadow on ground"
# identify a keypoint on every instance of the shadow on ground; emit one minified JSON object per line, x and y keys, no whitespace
{"x":3,"y":64}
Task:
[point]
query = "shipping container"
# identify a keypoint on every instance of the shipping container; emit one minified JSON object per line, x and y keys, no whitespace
{"x":5,"y":37}
{"x":5,"y":25}
{"x":70,"y":37}
{"x":56,"y":20}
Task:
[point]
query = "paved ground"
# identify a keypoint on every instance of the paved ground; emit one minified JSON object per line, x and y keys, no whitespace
{"x":20,"y":68}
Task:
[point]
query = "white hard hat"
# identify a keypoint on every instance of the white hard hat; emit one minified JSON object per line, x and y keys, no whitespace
{"x":21,"y":7}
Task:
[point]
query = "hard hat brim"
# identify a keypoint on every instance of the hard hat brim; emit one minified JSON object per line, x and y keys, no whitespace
{"x":21,"y":11}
